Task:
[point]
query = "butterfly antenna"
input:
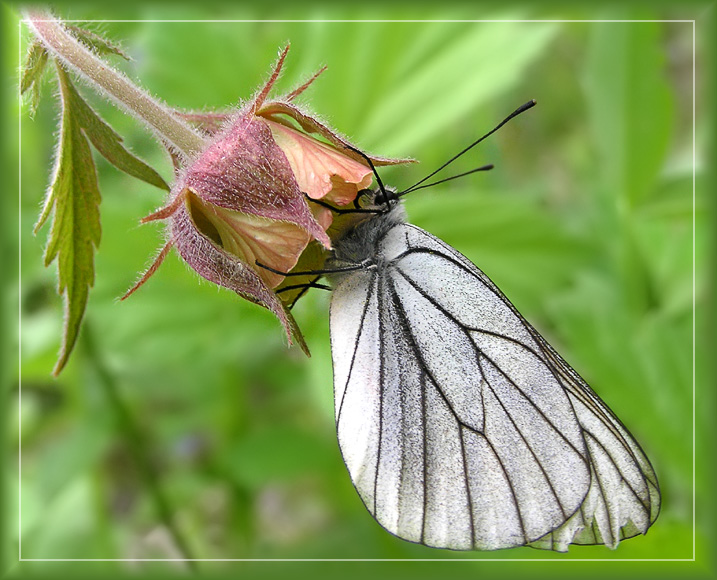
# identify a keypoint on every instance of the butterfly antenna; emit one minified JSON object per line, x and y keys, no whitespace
{"x":425,"y":185}
{"x":375,"y":173}
{"x":515,"y":113}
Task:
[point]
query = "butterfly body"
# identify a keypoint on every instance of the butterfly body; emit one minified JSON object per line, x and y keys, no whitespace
{"x":460,"y":426}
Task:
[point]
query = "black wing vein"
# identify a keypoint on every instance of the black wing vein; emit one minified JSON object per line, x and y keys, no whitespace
{"x":381,"y":374}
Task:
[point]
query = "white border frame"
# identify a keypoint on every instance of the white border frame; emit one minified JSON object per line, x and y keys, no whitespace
{"x":546,"y":559}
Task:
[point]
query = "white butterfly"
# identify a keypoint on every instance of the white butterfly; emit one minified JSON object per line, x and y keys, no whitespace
{"x":461,"y":427}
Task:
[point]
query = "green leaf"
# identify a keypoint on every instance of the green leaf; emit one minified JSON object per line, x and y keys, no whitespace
{"x":630,"y":105}
{"x":98,"y":43}
{"x":32,"y":73}
{"x":75,"y":233}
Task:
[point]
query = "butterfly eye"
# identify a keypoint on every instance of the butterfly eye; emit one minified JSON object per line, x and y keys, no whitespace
{"x":384,"y":197}
{"x":381,"y":198}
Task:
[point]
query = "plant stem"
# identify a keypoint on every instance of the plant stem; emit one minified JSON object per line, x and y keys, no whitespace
{"x":72,"y":53}
{"x":136,"y":443}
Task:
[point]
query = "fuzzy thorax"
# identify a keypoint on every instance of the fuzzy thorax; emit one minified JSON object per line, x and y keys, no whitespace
{"x":359,"y":244}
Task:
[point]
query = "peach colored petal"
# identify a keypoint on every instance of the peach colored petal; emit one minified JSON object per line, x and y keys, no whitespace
{"x":323,"y":215}
{"x":315,"y":165}
{"x":251,"y":238}
{"x":341,"y":190}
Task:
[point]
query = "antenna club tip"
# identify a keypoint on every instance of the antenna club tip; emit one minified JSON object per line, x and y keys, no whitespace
{"x":529,"y":105}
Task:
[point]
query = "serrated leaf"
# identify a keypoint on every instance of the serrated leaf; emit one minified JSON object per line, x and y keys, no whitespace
{"x":75,"y":233}
{"x":74,"y":196}
{"x":32,"y":73}
{"x":100,"y":44}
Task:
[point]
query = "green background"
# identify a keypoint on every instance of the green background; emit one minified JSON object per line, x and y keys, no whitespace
{"x":585,"y":223}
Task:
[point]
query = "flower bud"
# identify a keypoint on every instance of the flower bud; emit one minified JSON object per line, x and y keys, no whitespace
{"x":243,"y":200}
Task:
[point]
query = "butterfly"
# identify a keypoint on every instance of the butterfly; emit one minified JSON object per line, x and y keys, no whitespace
{"x":460,"y":426}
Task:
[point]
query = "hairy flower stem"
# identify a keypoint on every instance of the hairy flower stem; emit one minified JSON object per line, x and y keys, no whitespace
{"x":136,"y":443}
{"x":73,"y":54}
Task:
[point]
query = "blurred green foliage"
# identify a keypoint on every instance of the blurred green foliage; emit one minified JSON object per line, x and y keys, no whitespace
{"x":586,"y":224}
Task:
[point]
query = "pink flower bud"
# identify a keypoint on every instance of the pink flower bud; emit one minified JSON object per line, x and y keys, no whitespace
{"x":243,"y":200}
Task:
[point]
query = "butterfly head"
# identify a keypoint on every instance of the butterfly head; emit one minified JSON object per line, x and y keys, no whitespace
{"x":385,"y":198}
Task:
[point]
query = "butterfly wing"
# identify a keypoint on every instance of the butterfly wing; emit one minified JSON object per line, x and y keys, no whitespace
{"x":460,"y":427}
